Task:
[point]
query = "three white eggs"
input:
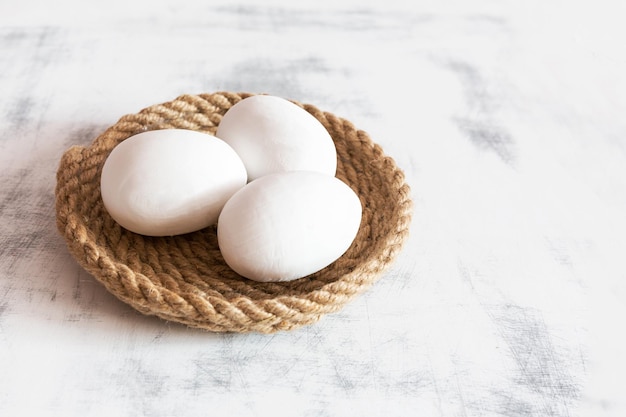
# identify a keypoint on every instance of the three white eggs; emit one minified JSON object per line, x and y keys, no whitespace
{"x":267,"y":178}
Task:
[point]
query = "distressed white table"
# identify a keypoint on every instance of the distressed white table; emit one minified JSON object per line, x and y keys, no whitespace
{"x":509,"y":121}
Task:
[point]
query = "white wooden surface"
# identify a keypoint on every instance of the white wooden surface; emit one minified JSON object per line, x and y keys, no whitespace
{"x":509,"y":121}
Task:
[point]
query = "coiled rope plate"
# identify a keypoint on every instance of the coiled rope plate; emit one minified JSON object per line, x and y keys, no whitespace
{"x":184,"y":278}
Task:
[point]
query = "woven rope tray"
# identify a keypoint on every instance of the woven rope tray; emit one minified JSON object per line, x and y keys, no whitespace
{"x":184,"y":278}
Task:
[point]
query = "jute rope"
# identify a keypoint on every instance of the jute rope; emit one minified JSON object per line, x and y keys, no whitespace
{"x":184,"y":278}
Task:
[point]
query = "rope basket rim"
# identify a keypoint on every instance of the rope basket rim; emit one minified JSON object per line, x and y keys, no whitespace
{"x":183,"y":278}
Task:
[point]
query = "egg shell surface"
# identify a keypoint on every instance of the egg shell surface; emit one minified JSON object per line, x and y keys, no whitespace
{"x":169,"y":182}
{"x":272,"y":134}
{"x":285,"y":226}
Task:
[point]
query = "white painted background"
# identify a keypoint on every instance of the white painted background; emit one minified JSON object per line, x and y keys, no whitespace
{"x":509,"y":121}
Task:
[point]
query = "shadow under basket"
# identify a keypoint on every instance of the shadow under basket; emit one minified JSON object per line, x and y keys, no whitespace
{"x":184,"y":278}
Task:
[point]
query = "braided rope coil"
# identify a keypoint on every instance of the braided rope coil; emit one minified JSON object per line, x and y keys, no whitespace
{"x":184,"y":278}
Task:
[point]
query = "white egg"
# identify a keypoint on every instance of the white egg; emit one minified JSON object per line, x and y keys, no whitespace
{"x":288,"y":225}
{"x":272,"y":134}
{"x":170,"y":182}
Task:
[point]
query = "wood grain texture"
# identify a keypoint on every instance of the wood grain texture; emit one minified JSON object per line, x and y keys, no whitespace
{"x":508,"y":122}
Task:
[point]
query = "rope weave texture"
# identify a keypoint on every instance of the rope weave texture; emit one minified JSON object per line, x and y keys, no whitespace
{"x":184,"y":278}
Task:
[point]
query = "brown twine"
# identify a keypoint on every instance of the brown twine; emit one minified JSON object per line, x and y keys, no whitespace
{"x":184,"y":278}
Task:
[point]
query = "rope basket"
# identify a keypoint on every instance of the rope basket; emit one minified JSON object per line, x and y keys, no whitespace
{"x":184,"y":278}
